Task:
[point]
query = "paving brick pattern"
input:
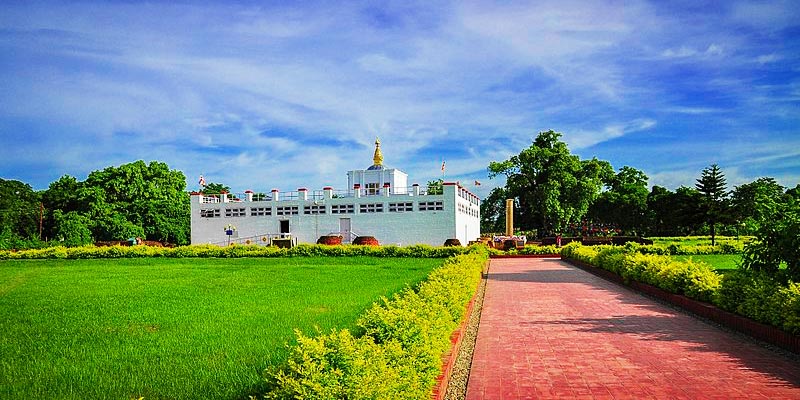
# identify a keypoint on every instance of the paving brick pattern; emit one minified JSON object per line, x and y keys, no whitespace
{"x":549,"y":330}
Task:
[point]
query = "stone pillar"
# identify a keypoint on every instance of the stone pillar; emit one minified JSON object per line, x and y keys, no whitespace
{"x":327,"y":192}
{"x":275,"y":194}
{"x":248,"y":195}
{"x":357,"y":189}
{"x":302,"y":194}
{"x":415,"y":189}
{"x":386,"y":189}
{"x":509,"y":217}
{"x":223,"y":196}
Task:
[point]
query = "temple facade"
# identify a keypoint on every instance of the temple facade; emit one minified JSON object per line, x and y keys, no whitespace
{"x":377,"y":202}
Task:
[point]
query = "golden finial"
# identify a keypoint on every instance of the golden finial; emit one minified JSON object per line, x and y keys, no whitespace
{"x":377,"y":159}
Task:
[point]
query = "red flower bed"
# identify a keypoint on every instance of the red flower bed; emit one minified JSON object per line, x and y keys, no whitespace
{"x":366,"y":241}
{"x":330,"y":240}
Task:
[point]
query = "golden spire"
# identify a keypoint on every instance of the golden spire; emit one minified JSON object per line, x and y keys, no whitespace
{"x":377,"y":159}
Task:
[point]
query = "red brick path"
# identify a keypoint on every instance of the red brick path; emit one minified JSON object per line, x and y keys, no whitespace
{"x":550,"y":330}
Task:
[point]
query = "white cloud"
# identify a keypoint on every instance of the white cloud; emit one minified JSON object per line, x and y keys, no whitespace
{"x":582,"y":139}
{"x":768,"y":58}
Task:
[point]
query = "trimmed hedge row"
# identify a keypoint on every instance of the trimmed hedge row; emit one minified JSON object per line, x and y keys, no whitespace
{"x":529,"y":250}
{"x":235,"y":251}
{"x":767,"y":299}
{"x":397,"y":351}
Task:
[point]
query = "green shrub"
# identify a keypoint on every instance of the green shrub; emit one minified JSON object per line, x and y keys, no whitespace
{"x":766,"y":297}
{"x":235,"y":251}
{"x":398,"y":353}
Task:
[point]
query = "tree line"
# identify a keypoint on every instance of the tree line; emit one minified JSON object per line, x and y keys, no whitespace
{"x":556,"y":192}
{"x":145,"y":200}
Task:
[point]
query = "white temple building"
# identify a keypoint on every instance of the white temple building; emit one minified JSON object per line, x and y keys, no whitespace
{"x":377,"y":202}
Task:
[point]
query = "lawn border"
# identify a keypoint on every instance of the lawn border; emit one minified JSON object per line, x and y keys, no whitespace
{"x":766,"y":333}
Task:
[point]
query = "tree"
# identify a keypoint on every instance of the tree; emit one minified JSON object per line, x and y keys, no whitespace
{"x":132,"y":200}
{"x":72,"y":228}
{"x":19,"y":213}
{"x":552,"y":187}
{"x":436,"y":187}
{"x":753,"y":203}
{"x":712,"y":186}
{"x":624,"y":204}
{"x":216,"y":188}
{"x":777,"y":241}
{"x":493,"y":211}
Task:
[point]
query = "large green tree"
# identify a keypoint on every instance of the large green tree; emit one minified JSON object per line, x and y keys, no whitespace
{"x":755,"y":202}
{"x":116,"y":203}
{"x":624,"y":203}
{"x":553,"y":188}
{"x":713,"y":187}
{"x":493,"y":211}
{"x":19,"y":213}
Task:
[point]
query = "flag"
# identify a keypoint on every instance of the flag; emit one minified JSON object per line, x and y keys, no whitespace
{"x":477,"y":183}
{"x":442,"y":166}
{"x":202,"y":181}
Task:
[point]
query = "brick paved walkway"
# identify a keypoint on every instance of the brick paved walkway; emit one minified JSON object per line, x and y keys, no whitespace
{"x":550,"y":330}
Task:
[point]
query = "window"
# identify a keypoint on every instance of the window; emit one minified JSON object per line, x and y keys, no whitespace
{"x":260,"y":211}
{"x":288,"y":210}
{"x":431,"y":205}
{"x":401,"y":207}
{"x":371,"y":208}
{"x":372,"y":188}
{"x":209,"y":213}
{"x":314,"y":209}
{"x":343,"y":209}
{"x":235,"y":212}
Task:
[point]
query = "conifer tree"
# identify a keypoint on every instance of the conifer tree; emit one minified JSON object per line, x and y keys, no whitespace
{"x":712,"y":185}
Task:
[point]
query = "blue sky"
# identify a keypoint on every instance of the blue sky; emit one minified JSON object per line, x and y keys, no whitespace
{"x":261,"y":96}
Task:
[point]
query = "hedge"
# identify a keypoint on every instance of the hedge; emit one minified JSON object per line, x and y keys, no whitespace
{"x":397,"y":350}
{"x":234,"y":251}
{"x":529,"y":250}
{"x":772,"y":300}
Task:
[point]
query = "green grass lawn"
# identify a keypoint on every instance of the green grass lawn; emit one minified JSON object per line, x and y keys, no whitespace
{"x":699,"y":240}
{"x":174,"y":328}
{"x":719,"y":262}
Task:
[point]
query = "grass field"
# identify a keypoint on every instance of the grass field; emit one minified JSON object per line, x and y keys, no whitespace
{"x":719,"y":262}
{"x":699,"y":240}
{"x":173,"y":328}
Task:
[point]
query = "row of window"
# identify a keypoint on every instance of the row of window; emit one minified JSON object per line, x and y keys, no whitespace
{"x":320,"y":209}
{"x":465,"y":209}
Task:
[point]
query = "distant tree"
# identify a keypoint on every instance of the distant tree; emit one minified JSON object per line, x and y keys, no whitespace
{"x":712,"y":186}
{"x":72,"y":228}
{"x":216,"y":188}
{"x":436,"y":187}
{"x":493,"y":211}
{"x":552,"y":187}
{"x":19,"y":212}
{"x":753,"y":203}
{"x":624,"y":204}
{"x":674,"y":213}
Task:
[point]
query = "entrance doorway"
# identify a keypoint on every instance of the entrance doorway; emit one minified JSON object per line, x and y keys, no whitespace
{"x":344,"y":229}
{"x":285,"y":228}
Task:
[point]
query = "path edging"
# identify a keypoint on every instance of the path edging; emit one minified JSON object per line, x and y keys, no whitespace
{"x":449,"y":359}
{"x":747,"y":326}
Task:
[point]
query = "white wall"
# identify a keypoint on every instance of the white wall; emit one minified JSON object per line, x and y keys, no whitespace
{"x":399,"y":228}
